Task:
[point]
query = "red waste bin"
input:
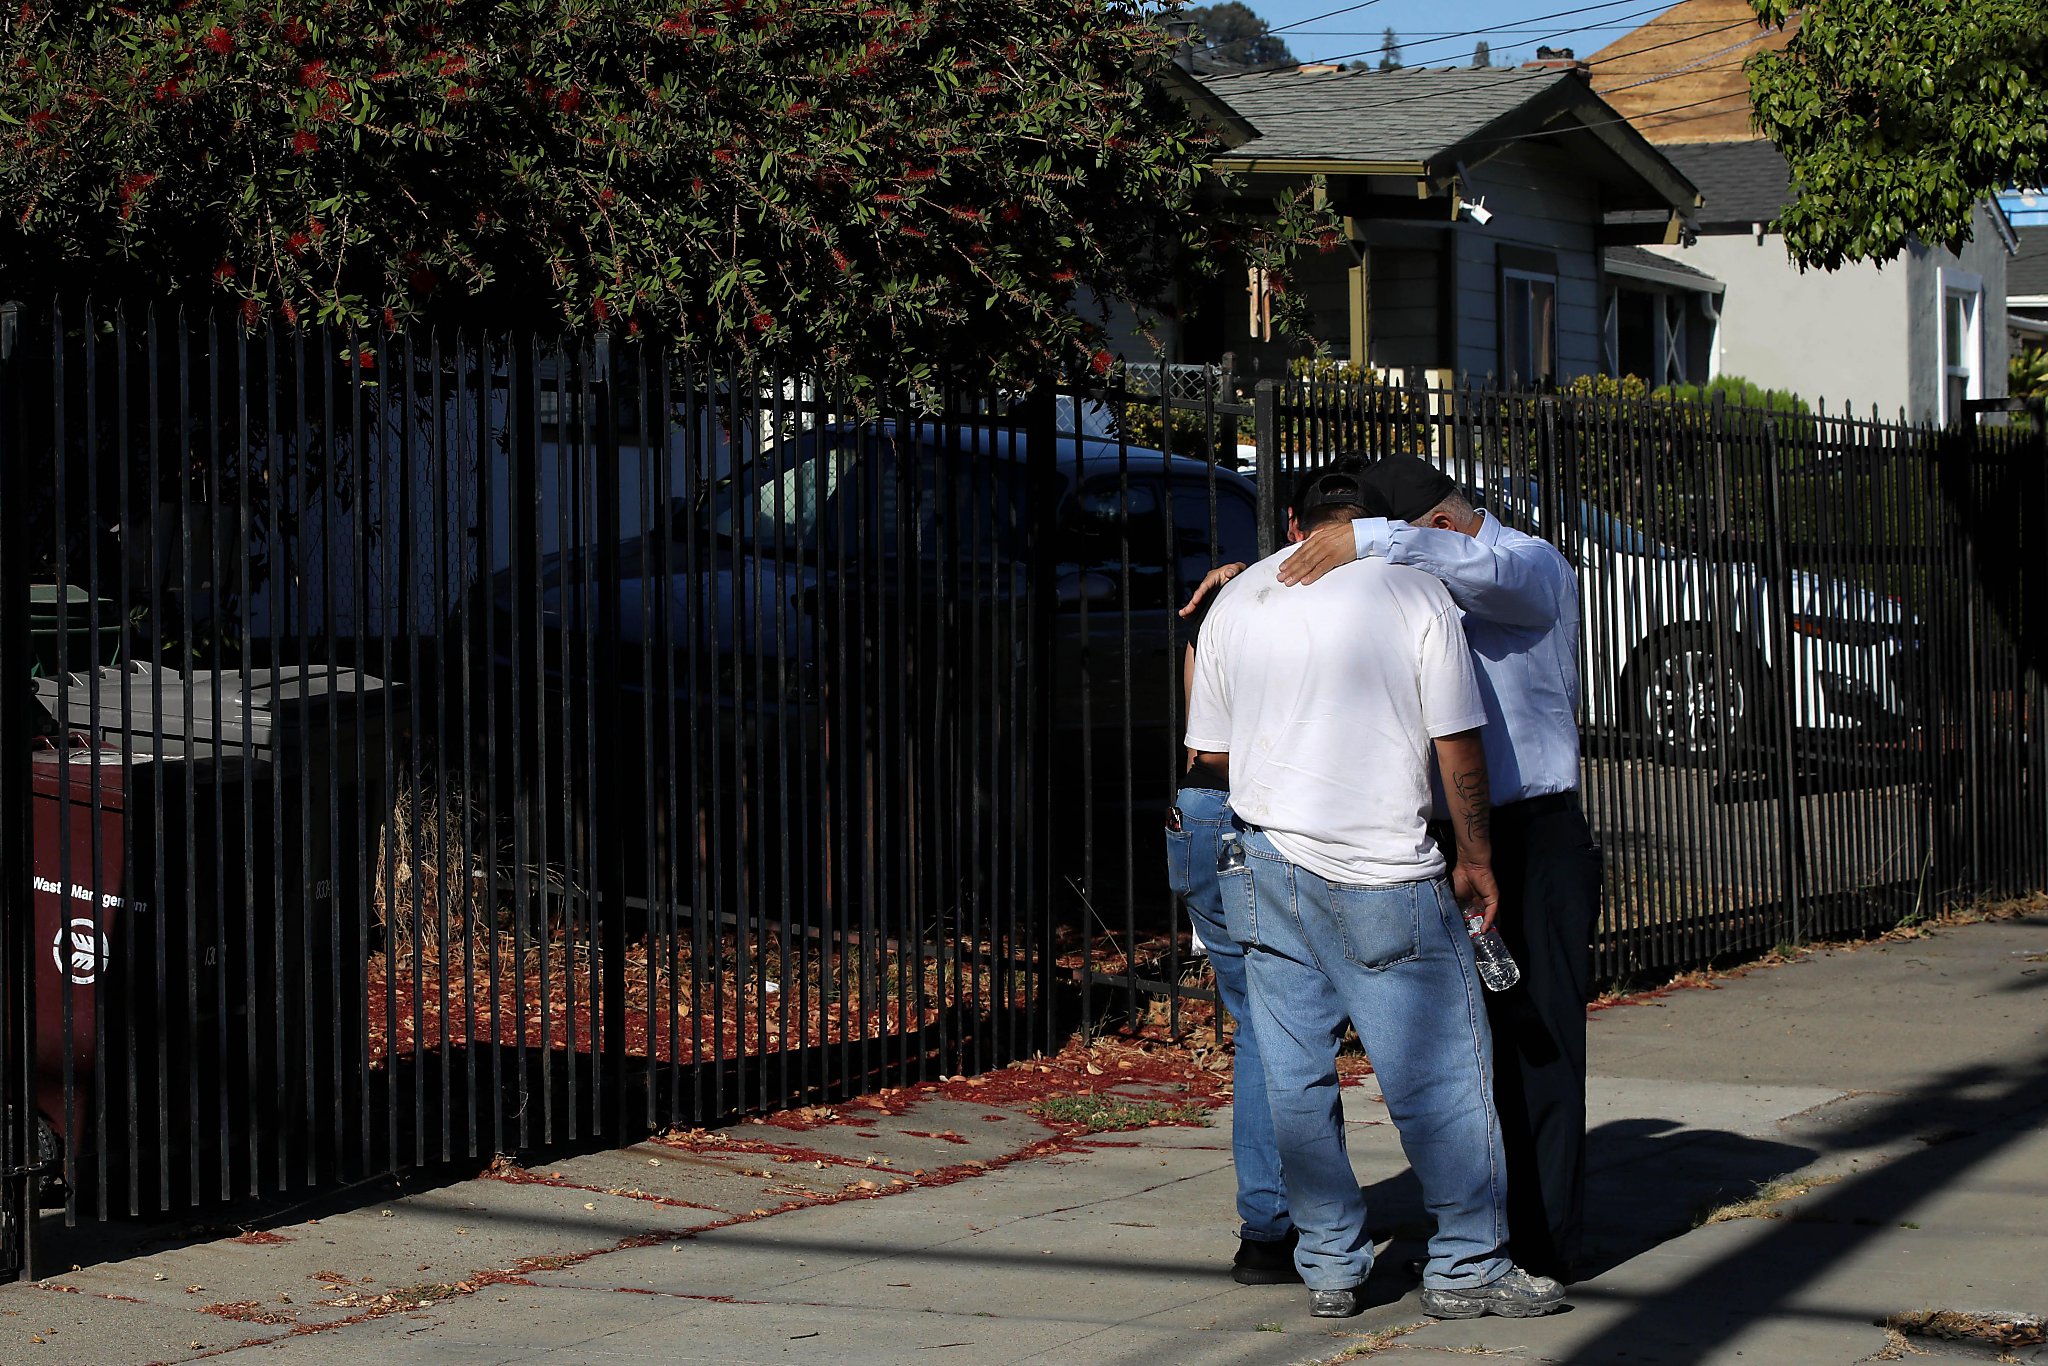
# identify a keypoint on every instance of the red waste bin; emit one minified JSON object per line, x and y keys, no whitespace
{"x":150,"y":1016}
{"x":82,"y":906}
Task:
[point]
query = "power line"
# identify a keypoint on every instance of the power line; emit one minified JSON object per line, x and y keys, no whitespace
{"x":1510,"y":24}
{"x":1348,"y":9}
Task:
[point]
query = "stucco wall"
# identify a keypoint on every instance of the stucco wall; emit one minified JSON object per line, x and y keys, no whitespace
{"x":1839,"y":336}
{"x":1985,"y":257}
{"x":1859,"y":336}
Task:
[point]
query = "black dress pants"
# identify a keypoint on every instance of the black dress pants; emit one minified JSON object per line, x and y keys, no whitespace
{"x":1548,"y":869}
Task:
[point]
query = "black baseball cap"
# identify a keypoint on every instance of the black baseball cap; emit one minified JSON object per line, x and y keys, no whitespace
{"x":1405,"y":487}
{"x":1338,"y":485}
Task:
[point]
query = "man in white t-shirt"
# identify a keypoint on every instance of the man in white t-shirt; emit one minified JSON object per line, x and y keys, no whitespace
{"x":1326,"y":705}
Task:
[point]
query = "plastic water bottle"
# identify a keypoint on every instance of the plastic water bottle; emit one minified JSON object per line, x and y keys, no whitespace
{"x":1229,"y":853}
{"x":1497,"y":968}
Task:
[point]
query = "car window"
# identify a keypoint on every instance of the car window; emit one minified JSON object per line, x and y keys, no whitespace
{"x":841,"y":493}
{"x":1110,"y":517}
{"x":1204,"y":537}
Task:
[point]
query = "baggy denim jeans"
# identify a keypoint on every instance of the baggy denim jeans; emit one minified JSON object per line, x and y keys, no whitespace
{"x":1397,"y":962}
{"x":1191,"y":872}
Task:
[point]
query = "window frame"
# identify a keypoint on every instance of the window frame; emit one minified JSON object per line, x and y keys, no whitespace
{"x":1522,"y":273}
{"x":1963,"y":285}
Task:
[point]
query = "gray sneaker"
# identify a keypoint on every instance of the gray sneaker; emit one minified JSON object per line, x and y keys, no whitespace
{"x":1336,"y":1304}
{"x":1514,"y":1295}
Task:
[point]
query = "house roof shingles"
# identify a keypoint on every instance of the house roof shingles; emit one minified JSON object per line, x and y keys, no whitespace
{"x":1627,"y":260}
{"x":1741,"y":182}
{"x":1416,"y":114}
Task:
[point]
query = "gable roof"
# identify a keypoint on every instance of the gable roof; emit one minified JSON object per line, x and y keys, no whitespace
{"x":1679,"y":78}
{"x":1426,"y":121}
{"x":1414,"y":116}
{"x":1741,"y":183}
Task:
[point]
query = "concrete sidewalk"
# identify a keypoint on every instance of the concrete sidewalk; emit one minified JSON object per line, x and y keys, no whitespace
{"x":1905,"y":1083}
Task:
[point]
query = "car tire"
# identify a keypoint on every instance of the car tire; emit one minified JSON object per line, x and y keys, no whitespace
{"x":1690,"y":706}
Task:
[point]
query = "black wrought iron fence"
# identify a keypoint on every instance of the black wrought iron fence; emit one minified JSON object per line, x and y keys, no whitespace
{"x":430,"y":746}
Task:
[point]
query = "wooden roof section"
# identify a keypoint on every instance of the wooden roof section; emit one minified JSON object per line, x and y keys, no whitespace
{"x":1679,"y":78}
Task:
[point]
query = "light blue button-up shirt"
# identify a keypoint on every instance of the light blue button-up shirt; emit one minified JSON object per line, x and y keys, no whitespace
{"x":1521,"y":605}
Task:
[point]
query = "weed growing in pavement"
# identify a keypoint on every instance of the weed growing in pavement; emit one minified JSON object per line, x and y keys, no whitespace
{"x":1108,"y":1114}
{"x":1763,"y":1205}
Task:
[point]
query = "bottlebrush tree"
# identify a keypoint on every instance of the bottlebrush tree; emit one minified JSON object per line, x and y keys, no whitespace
{"x":879,"y":184}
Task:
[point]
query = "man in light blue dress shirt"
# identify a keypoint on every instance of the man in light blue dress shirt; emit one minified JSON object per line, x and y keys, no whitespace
{"x":1520,"y":601}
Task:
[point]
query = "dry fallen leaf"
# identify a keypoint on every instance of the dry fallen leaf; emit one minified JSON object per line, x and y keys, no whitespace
{"x":590,"y":1204}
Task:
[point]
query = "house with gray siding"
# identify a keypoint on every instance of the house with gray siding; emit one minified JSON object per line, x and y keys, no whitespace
{"x":1478,"y":208}
{"x":1921,"y":334}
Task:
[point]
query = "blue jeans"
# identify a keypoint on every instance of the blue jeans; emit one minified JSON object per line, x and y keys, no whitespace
{"x":1191,"y":871}
{"x":1396,"y":961}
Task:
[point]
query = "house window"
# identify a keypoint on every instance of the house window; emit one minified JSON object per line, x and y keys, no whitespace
{"x":1962,"y":342}
{"x":1528,"y":312}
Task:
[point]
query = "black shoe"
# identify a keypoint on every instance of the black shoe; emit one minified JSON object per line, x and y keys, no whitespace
{"x":1336,"y":1304}
{"x":1264,"y":1263}
{"x":1514,"y":1295}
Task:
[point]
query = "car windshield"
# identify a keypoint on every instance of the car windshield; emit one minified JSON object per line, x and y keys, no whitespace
{"x":839,"y":492}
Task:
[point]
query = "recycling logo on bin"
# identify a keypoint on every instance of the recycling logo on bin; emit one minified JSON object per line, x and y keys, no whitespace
{"x":81,"y":951}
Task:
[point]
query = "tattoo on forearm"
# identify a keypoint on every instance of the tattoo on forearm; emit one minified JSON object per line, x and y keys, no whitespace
{"x":1476,"y":797}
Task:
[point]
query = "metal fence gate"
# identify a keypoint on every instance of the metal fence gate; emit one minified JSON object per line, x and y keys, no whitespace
{"x":422,"y":746}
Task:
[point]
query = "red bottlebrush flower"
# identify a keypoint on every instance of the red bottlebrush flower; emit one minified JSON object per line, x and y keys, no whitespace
{"x":918,"y":233}
{"x":390,"y":320}
{"x":455,"y":94}
{"x":799,"y":109}
{"x":1064,"y":274}
{"x":763,"y":321}
{"x":366,"y":359}
{"x":312,"y":74}
{"x":165,"y":90}
{"x":224,"y":272}
{"x":917,"y":173}
{"x":316,"y":228}
{"x":422,"y":281}
{"x":295,"y":31}
{"x":251,"y":311}
{"x":40,"y":121}
{"x":1100,"y":362}
{"x":219,"y":41}
{"x":1011,"y":213}
{"x":696,"y":184}
{"x":632,"y":327}
{"x":305,"y":142}
{"x":1326,"y":240}
{"x":290,"y":311}
{"x":297,"y":243}
{"x":455,"y":65}
{"x":601,"y":309}
{"x":570,"y":100}
{"x":723,"y":156}
{"x":889,"y":198}
{"x":606,"y":196}
{"x":839,"y":260}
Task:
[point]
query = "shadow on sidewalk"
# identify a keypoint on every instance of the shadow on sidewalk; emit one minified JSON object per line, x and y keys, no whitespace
{"x":1724,"y":1297}
{"x":1647,"y":1181}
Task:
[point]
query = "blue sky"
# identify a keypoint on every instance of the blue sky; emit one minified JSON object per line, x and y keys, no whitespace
{"x":1422,"y":25}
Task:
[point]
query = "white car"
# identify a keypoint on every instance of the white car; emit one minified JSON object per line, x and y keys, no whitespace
{"x":1696,"y":653}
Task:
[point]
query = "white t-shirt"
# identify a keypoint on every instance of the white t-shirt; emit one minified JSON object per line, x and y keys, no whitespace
{"x":1326,"y":697}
